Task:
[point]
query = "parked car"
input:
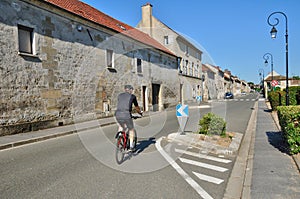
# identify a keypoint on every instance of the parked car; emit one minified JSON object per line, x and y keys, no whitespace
{"x":228,"y":95}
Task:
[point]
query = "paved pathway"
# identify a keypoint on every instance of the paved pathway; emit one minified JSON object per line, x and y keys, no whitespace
{"x":274,"y":173}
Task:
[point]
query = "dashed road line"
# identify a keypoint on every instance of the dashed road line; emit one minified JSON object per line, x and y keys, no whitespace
{"x":202,"y":106}
{"x":203,"y":165}
{"x":203,"y":156}
{"x":208,"y":178}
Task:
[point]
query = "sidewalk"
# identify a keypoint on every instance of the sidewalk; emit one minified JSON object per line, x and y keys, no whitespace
{"x":34,"y":136}
{"x":274,"y":173}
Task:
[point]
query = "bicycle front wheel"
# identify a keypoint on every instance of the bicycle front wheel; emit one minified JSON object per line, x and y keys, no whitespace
{"x":120,"y":150}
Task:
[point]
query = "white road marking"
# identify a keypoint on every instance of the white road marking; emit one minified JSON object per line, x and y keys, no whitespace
{"x":186,"y":177}
{"x":203,"y":156}
{"x":201,"y":106}
{"x":230,"y":100}
{"x":204,"y":165}
{"x":208,"y":178}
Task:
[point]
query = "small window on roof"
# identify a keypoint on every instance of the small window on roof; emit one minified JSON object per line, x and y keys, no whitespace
{"x":122,"y":27}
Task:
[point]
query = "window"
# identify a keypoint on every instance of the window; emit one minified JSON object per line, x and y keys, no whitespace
{"x":166,"y":40}
{"x":198,"y":56}
{"x":191,"y":69}
{"x":109,"y":58}
{"x":25,"y":35}
{"x":186,"y":50}
{"x":139,"y":65}
{"x":186,"y":71}
{"x":197,"y":71}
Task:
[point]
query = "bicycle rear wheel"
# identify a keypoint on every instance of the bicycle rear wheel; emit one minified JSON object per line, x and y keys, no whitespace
{"x":120,"y":150}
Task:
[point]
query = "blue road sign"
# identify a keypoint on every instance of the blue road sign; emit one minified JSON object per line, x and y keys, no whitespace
{"x":199,"y":98}
{"x":182,"y":110}
{"x":182,"y":113}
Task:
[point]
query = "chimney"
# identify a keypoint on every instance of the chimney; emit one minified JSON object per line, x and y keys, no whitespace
{"x":147,"y":18}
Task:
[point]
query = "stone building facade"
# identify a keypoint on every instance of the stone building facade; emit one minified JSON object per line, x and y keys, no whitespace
{"x":189,"y":62}
{"x":214,"y":81}
{"x":64,"y":61}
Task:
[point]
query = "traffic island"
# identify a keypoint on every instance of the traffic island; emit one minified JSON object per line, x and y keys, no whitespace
{"x":209,"y":144}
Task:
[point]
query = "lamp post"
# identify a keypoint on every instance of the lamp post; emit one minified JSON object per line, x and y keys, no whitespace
{"x":262,"y":75}
{"x":273,"y":35}
{"x":266,"y":58}
{"x":203,"y":79}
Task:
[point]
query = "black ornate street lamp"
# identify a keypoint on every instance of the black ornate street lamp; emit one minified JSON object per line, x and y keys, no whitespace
{"x":266,"y":58}
{"x":262,"y":76}
{"x":273,"y":35}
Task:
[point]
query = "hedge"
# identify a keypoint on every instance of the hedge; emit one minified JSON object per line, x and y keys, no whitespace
{"x":277,"y":98}
{"x":289,"y":119}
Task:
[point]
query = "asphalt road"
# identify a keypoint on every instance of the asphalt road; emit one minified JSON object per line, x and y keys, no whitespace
{"x":83,"y":166}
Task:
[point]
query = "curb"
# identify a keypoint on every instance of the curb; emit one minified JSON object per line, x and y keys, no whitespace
{"x":51,"y":136}
{"x":74,"y":128}
{"x":191,"y":139}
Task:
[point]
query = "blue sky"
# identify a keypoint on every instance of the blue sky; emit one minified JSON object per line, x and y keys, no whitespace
{"x":234,"y":33}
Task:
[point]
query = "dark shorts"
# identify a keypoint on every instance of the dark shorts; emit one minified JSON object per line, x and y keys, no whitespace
{"x":128,"y":122}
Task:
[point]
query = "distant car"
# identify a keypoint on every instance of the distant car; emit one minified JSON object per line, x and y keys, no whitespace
{"x":243,"y":93}
{"x":228,"y":95}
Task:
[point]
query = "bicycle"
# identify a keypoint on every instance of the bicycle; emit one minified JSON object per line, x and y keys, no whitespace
{"x":123,"y":143}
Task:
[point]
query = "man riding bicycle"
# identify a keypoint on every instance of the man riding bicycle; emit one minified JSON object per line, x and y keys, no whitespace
{"x":123,"y":112}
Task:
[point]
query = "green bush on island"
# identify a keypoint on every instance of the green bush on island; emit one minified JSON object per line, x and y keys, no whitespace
{"x":212,"y":124}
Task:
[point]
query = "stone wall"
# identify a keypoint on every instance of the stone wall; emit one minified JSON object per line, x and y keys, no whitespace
{"x":66,"y":80}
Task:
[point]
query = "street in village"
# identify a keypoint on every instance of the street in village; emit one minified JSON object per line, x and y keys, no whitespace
{"x":83,"y":164}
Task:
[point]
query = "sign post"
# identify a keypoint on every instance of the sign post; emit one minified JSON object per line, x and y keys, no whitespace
{"x":182,"y":113}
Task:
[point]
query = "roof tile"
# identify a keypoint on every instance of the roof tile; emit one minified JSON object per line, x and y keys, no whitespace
{"x":88,"y":12}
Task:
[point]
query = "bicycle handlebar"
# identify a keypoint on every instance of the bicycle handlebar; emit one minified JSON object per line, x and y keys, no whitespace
{"x":136,"y":116}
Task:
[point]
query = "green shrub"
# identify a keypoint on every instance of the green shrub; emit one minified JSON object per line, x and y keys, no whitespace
{"x":276,"y":98}
{"x":276,"y":88}
{"x":289,"y":119}
{"x":292,"y":94}
{"x":212,"y":124}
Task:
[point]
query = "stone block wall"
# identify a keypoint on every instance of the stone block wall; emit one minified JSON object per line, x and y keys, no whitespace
{"x":66,"y":80}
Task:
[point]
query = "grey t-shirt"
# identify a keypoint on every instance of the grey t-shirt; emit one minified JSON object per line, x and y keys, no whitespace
{"x":124,"y":107}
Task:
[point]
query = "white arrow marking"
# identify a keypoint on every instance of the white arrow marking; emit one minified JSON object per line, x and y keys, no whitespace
{"x":203,"y":156}
{"x":185,"y":176}
{"x":204,"y":165}
{"x":208,"y":178}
